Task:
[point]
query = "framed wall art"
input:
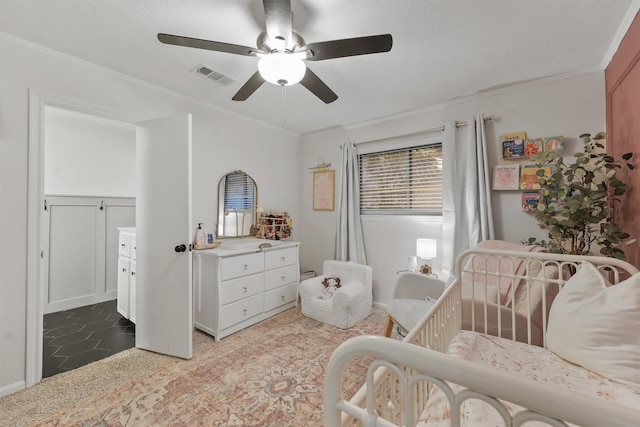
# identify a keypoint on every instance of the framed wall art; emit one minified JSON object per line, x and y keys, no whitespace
{"x":324,"y":190}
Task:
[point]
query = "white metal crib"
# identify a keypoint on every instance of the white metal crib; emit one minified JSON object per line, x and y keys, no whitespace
{"x":400,"y":378}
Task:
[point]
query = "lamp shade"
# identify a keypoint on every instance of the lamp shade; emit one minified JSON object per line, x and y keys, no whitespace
{"x":426,"y":248}
{"x":281,"y":68}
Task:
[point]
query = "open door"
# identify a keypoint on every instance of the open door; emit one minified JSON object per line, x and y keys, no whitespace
{"x":163,"y":235}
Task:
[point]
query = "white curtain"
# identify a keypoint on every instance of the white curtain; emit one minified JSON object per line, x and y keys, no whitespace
{"x":466,"y":200}
{"x":349,"y":240}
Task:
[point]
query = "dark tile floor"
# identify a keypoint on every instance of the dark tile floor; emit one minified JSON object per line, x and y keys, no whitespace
{"x":73,"y":338}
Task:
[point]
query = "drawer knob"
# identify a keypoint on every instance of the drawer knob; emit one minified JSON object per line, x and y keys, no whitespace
{"x":282,"y":297}
{"x":244,"y":311}
{"x":124,"y":270}
{"x":244,"y":289}
{"x":245,"y":266}
{"x":133,"y":273}
{"x":283,"y":278}
{"x":122,"y":244}
{"x":282,"y":258}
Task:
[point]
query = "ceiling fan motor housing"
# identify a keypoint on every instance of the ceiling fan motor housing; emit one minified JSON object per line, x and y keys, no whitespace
{"x":267,"y":44}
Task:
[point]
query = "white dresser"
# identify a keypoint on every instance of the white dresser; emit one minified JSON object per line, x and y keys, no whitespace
{"x":234,"y":289}
{"x":127,"y":273}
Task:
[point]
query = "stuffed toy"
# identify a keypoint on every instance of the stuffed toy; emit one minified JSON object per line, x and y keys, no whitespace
{"x":331,"y":284}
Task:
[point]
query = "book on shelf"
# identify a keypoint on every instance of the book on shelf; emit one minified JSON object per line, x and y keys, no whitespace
{"x":506,"y":177}
{"x":531,"y":200}
{"x":554,"y":144}
{"x":513,"y":145}
{"x":529,"y":178}
{"x":533,"y":146}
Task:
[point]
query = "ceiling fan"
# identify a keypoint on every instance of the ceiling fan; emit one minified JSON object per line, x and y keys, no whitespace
{"x":282,"y":52}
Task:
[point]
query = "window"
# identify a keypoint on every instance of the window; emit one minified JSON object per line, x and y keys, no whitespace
{"x":402,"y":181}
{"x":238,"y":191}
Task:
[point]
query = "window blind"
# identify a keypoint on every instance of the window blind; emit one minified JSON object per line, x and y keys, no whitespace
{"x":402,"y":181}
{"x":238,"y":192}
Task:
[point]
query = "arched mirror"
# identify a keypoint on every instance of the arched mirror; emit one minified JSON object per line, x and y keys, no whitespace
{"x":237,"y":204}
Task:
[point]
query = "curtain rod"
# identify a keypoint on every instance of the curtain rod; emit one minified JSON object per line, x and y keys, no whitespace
{"x":438,"y":129}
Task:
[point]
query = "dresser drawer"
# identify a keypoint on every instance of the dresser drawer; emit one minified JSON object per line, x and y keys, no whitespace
{"x":236,"y":289}
{"x":280,"y":277}
{"x":277,"y":297}
{"x":242,"y":310}
{"x":124,"y":244}
{"x":239,"y":266}
{"x":280,"y":258}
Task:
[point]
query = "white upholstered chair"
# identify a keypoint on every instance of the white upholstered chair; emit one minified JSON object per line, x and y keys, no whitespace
{"x":413,"y":295}
{"x":349,"y":304}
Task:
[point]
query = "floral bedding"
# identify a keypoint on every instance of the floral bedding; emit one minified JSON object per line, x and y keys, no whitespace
{"x":528,"y":361}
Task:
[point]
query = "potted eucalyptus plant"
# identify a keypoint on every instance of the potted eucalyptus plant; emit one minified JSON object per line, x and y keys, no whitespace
{"x":578,"y":211}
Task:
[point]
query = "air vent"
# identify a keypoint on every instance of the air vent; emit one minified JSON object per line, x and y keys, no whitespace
{"x":211,"y":74}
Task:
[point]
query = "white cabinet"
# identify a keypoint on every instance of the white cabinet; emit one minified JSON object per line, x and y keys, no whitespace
{"x":127,"y":273}
{"x":234,"y":289}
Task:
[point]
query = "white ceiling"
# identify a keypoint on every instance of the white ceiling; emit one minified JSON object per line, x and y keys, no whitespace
{"x":442,"y":49}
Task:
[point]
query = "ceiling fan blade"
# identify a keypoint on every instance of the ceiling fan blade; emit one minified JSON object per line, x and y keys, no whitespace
{"x":279,"y":20}
{"x":249,"y":87}
{"x":206,"y":44}
{"x":350,"y":47}
{"x":316,"y":86}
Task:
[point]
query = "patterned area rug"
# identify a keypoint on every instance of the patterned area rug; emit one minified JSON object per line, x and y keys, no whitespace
{"x":271,"y":374}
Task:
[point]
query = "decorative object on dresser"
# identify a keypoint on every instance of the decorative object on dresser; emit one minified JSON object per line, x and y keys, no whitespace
{"x":274,"y":225}
{"x":349,"y":304}
{"x":236,"y":288}
{"x":127,"y":273}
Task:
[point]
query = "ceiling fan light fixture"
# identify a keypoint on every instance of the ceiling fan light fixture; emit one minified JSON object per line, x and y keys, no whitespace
{"x":281,"y":68}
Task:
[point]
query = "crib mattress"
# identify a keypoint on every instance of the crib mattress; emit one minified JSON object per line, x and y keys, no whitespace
{"x":528,"y":361}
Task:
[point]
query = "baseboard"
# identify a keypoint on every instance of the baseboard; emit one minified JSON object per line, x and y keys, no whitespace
{"x":83,"y":301}
{"x":12,"y":388}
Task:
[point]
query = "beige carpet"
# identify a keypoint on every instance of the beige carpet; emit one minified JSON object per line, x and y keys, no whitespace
{"x":271,"y":374}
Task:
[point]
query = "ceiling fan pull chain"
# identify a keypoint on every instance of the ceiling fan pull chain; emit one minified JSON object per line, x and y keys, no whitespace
{"x":284,"y":95}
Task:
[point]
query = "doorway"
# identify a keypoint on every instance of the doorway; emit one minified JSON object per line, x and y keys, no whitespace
{"x":68,"y":187}
{"x":163,"y":202}
{"x":89,"y":191}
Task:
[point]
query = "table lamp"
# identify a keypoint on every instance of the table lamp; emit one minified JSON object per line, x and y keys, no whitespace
{"x":426,"y":250}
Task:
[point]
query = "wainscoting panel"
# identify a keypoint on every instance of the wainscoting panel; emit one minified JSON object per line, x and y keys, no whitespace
{"x":80,"y":249}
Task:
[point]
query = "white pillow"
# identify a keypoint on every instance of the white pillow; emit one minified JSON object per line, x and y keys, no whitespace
{"x":598,"y":327}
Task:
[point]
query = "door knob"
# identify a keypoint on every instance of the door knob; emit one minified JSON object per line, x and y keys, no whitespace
{"x":180,"y":248}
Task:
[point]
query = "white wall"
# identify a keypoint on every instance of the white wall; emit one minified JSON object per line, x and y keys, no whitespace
{"x":87,"y":155}
{"x":221,"y":142}
{"x":568,"y":107}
